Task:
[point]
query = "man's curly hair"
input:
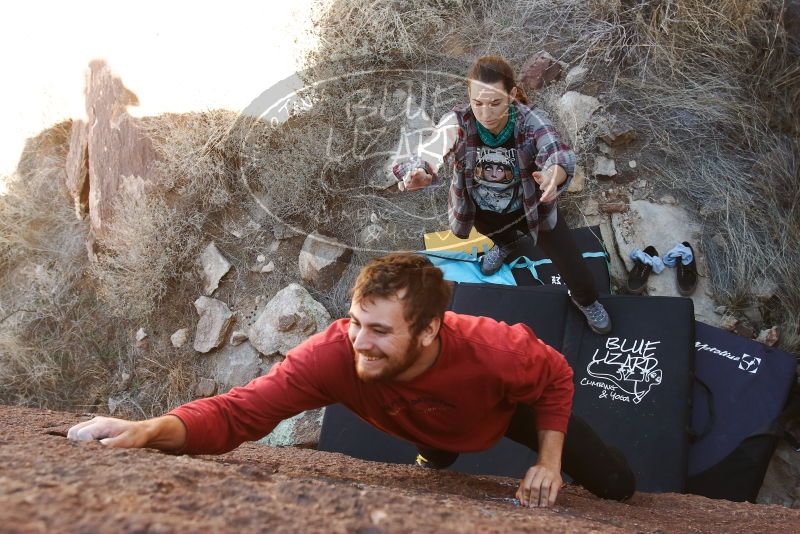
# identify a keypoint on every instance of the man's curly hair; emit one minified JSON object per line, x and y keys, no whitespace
{"x":425,"y":292}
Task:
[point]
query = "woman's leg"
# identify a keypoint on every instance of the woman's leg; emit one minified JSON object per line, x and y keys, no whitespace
{"x":560,"y":246}
{"x":502,"y":228}
{"x":595,"y":465}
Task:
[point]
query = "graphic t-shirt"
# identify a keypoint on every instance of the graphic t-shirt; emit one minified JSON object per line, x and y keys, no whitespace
{"x":497,"y":182}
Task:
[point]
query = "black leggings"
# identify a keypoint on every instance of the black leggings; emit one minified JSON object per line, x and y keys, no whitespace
{"x":558,"y":244}
{"x":598,"y":467}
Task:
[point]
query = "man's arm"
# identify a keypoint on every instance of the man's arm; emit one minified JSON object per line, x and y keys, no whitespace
{"x":166,"y":433}
{"x":543,"y":481}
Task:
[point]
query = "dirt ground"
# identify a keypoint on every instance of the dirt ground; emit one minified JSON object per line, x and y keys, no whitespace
{"x":48,"y":483}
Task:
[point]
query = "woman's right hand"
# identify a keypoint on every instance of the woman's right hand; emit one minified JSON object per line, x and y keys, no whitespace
{"x":415,"y":179}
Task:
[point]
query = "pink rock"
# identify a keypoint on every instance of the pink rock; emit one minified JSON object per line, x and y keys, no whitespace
{"x":769,"y":336}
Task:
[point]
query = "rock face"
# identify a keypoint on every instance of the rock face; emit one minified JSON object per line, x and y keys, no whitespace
{"x":52,"y":484}
{"x":215,"y":319}
{"x":117,"y":145}
{"x":215,"y":266}
{"x":578,"y":180}
{"x":235,"y":365}
{"x":663,"y":227}
{"x":323,"y":260}
{"x":575,"y":111}
{"x":542,"y":70}
{"x":77,"y":167}
{"x":287,"y":320}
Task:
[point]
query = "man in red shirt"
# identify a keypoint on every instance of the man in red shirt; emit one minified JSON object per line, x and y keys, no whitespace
{"x":448,"y":382}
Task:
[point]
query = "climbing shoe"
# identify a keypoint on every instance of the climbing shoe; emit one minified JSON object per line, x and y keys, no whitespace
{"x":493,"y":260}
{"x":597,"y":317}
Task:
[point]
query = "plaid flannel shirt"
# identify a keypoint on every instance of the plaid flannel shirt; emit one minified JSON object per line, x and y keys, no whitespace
{"x":538,"y":147}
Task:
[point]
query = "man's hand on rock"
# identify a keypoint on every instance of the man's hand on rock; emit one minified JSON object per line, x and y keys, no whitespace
{"x":110,"y":431}
{"x":540,"y":487}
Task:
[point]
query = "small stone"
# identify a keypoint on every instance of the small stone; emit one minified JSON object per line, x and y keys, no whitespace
{"x":238,"y":337}
{"x":618,"y":135}
{"x":575,"y":77}
{"x":728,"y":322}
{"x":273,"y":247}
{"x":206,"y":387}
{"x":542,"y":70}
{"x":632,"y":164}
{"x":578,"y":180}
{"x":769,"y":336}
{"x":604,"y":148}
{"x":261,"y":258}
{"x":744,"y":329}
{"x":140,"y":335}
{"x":376,"y":516}
{"x":617,"y":206}
{"x":373,"y":218}
{"x":179,"y":338}
{"x":721,"y":310}
{"x":668,"y":199}
{"x":212,"y":326}
{"x":604,"y":168}
{"x":287,"y":322}
{"x":753,"y":314}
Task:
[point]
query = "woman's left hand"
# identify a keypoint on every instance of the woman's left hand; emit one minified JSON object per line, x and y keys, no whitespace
{"x":548,"y":181}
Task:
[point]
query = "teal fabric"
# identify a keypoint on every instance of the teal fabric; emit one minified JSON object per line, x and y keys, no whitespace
{"x":462,"y":267}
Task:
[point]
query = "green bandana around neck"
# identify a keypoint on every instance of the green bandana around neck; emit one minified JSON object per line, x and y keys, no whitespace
{"x":489,"y":139}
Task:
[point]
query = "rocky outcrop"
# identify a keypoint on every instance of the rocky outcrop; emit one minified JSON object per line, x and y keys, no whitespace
{"x":215,"y":319}
{"x":287,"y":320}
{"x":117,"y":145}
{"x":323,"y":260}
{"x":77,"y":168}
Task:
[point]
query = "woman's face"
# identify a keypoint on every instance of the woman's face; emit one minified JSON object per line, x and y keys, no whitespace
{"x":490,"y":103}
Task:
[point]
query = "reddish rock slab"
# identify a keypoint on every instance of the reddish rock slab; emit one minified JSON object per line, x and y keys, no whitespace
{"x":51,"y":484}
{"x":542,"y":70}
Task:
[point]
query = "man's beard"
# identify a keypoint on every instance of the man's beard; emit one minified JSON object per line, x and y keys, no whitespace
{"x":393,"y":368}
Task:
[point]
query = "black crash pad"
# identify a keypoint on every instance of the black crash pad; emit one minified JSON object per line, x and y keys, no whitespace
{"x":746,"y":385}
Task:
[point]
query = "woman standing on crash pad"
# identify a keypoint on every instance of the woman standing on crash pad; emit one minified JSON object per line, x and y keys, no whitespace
{"x":509,"y":167}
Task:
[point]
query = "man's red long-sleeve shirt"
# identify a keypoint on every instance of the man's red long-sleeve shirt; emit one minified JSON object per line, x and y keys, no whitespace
{"x":463,"y":403}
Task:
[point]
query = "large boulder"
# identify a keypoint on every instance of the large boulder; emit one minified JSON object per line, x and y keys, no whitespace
{"x":117,"y":145}
{"x":575,"y":110}
{"x":663,"y":226}
{"x":323,"y":260}
{"x":302,"y":430}
{"x":287,"y":320}
{"x":215,"y":319}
